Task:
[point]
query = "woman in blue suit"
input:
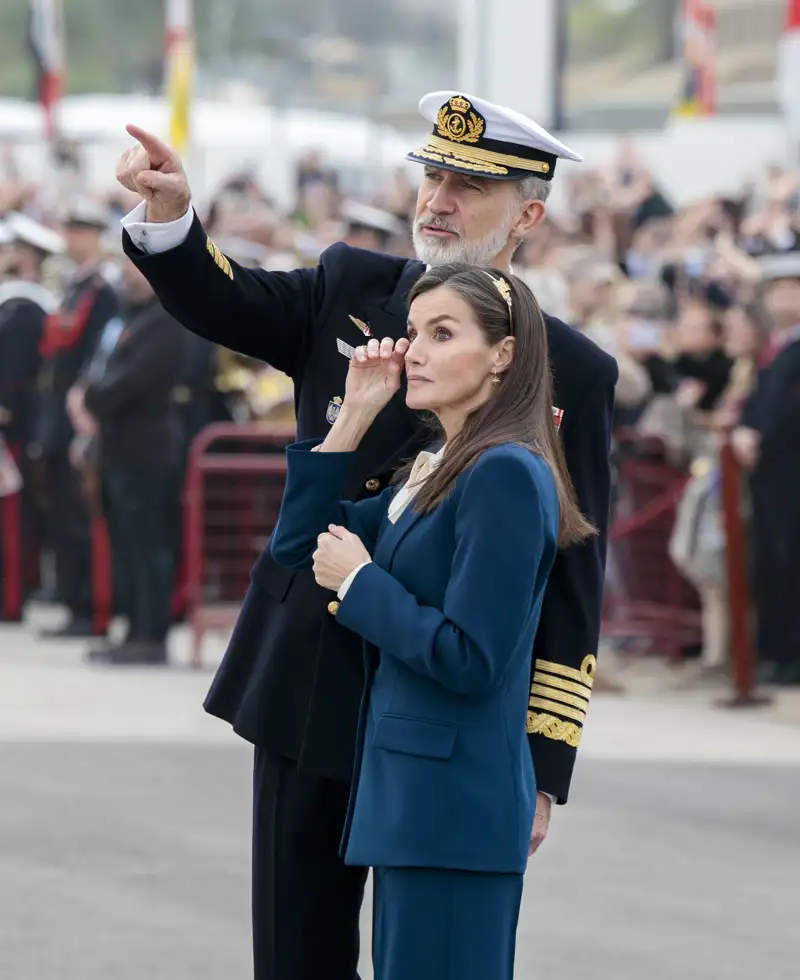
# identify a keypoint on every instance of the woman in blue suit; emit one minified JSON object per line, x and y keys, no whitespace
{"x":443,"y":576}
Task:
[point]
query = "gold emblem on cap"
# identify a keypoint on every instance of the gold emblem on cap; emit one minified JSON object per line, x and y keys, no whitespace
{"x":459,"y":122}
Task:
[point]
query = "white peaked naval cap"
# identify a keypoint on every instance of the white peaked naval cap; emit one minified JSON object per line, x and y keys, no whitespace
{"x":474,"y":136}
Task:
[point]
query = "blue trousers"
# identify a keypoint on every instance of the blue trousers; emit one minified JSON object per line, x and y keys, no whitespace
{"x":432,"y":924}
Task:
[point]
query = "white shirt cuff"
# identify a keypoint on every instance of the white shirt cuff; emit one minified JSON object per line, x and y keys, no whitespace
{"x":156,"y":236}
{"x":349,"y":580}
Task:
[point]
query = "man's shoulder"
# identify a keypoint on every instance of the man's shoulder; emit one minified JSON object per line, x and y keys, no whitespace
{"x":361,"y":264}
{"x":571,"y":352}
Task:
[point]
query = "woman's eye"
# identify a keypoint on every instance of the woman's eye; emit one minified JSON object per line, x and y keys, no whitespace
{"x":412,"y":335}
{"x":442,"y":334}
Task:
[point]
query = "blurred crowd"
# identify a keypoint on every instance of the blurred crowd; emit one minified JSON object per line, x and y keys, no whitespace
{"x":678,"y":295}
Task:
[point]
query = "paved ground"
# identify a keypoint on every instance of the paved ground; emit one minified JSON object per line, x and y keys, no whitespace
{"x":124,"y":826}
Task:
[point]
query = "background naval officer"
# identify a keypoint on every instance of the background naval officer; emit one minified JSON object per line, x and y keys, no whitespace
{"x":70,"y":338}
{"x":292,"y":678}
{"x":25,"y":303}
{"x":768,"y":444}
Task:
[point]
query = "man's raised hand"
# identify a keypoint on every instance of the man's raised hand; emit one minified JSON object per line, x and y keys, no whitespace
{"x":154,"y":170}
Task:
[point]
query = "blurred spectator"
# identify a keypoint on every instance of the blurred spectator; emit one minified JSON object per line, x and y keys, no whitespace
{"x":124,"y":404}
{"x":768,"y":444}
{"x":25,"y":304}
{"x":70,"y":337}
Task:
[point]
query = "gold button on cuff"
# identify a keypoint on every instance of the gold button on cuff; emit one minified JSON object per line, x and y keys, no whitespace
{"x":333,"y":608}
{"x":373,"y":485}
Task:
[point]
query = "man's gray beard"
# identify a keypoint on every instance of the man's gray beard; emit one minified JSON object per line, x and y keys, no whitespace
{"x":481,"y":251}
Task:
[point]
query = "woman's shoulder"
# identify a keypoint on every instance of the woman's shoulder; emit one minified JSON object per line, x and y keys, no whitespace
{"x":511,"y":461}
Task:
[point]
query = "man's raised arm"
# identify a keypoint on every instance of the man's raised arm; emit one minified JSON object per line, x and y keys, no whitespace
{"x":268,"y":315}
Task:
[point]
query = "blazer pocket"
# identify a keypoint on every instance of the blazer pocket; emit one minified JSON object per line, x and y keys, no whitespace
{"x":415,"y":736}
{"x":274,"y":579}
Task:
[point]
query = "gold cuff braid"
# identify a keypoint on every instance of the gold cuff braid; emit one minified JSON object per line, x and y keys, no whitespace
{"x":554,"y":728}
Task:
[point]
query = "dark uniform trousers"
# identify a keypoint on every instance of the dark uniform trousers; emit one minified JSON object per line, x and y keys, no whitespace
{"x":291,"y":679}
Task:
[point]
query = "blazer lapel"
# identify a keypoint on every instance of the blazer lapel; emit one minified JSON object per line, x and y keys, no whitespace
{"x":393,"y":534}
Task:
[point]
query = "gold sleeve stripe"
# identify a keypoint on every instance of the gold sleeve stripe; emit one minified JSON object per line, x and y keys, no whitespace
{"x":583,"y":676}
{"x":220,"y":259}
{"x":560,"y":709}
{"x":552,"y":727}
{"x":550,"y":692}
{"x":580,"y":689}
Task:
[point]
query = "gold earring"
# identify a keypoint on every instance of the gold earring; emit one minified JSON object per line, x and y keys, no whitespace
{"x":495,"y":378}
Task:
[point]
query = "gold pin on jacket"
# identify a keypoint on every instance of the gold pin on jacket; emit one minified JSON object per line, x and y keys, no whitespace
{"x":363,"y":327}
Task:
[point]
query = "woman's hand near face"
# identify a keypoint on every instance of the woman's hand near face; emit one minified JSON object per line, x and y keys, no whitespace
{"x":374,"y":375}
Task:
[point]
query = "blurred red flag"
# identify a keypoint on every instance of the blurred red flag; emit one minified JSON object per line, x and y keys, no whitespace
{"x":46,"y":44}
{"x":789,"y":67}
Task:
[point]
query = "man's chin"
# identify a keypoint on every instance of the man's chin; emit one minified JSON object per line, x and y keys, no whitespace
{"x":433,"y":251}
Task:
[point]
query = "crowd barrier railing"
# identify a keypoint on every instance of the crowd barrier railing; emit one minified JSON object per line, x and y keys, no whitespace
{"x":234,"y":484}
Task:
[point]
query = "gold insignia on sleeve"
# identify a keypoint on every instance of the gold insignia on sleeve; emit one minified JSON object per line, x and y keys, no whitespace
{"x":562,"y":696}
{"x":219,"y":258}
{"x":554,"y":728}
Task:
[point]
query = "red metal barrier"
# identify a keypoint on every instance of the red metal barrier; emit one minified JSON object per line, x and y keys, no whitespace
{"x":234,"y":484}
{"x":102,"y":576}
{"x":647,"y":600}
{"x":11,"y":566}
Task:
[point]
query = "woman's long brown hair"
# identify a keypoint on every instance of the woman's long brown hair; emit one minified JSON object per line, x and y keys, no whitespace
{"x":520,"y":410}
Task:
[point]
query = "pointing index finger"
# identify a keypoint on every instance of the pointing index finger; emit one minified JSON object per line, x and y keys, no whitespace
{"x":158,"y":152}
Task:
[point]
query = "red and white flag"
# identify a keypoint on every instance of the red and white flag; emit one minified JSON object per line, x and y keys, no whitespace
{"x":46,"y":43}
{"x":789,"y":67}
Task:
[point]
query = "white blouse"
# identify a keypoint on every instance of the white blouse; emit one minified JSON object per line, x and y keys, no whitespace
{"x":424,"y":465}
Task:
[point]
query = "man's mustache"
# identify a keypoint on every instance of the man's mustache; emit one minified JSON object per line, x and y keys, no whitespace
{"x":432,"y":221}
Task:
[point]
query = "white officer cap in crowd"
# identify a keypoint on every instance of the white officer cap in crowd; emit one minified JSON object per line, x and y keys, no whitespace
{"x":782,"y":265}
{"x":86,"y":213}
{"x":20,"y":228}
{"x":364,"y":215}
{"x":474,"y":136}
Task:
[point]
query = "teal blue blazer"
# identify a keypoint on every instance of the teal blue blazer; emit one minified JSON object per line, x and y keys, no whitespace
{"x":448,"y":610}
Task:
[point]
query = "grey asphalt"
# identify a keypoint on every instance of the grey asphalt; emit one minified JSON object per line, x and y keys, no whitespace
{"x":124,"y":854}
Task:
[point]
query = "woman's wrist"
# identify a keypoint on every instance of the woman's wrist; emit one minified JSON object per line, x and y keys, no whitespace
{"x":350,"y":427}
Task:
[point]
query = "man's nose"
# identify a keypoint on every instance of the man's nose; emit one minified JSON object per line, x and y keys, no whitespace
{"x":442,"y":201}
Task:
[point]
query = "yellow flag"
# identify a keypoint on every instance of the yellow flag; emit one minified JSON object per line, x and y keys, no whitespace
{"x":180,"y":84}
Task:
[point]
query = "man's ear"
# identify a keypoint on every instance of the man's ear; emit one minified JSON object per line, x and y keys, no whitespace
{"x":532,"y":214}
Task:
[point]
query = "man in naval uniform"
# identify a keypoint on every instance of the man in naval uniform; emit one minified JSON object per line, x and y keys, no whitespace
{"x":25,"y":304}
{"x":768,"y":444}
{"x":291,"y":679}
{"x":69,"y":341}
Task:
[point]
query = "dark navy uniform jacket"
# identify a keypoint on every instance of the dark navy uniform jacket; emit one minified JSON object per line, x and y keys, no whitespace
{"x":292,"y":677}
